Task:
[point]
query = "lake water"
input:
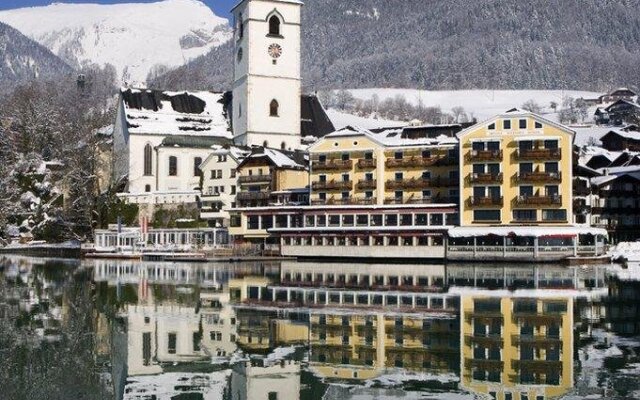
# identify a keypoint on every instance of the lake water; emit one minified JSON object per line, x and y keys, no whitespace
{"x":102,"y":329}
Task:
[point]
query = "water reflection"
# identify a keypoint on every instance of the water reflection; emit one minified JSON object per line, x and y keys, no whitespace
{"x":294,"y":330}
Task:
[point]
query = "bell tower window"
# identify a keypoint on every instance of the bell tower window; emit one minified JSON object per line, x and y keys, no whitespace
{"x":273,"y":108}
{"x":274,"y":26}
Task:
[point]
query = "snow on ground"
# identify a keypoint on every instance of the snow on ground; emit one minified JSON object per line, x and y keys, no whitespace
{"x":132,"y":37}
{"x":341,"y":119}
{"x":399,"y":378}
{"x":627,"y":250}
{"x":280,"y":353}
{"x":482,"y":104}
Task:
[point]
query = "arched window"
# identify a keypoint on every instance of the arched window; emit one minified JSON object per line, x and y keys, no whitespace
{"x":273,"y":108}
{"x":148,"y":160}
{"x":173,"y":166}
{"x":274,"y":25}
{"x":196,"y":166}
{"x":240,"y":27}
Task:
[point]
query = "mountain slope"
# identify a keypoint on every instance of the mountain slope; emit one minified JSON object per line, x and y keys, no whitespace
{"x":22,"y":59}
{"x":461,"y":44}
{"x":135,"y":38}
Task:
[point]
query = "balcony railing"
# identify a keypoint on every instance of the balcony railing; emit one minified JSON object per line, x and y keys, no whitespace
{"x":366,"y":163}
{"x":488,"y":201}
{"x":366,"y":184}
{"x":538,"y":154}
{"x":254,"y":179}
{"x":539,"y":200}
{"x":411,"y":162}
{"x":485,"y":178}
{"x":484,"y":339}
{"x":253,"y":196}
{"x":537,"y":340}
{"x":332,"y":165}
{"x":533,"y":177}
{"x":537,"y":365}
{"x":332,"y":185}
{"x":485,"y":363}
{"x":412,"y":183}
{"x":346,"y":201}
{"x":484,"y":155}
{"x":421,"y":200}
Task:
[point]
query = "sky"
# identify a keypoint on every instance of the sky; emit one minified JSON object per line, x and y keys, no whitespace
{"x":219,"y":7}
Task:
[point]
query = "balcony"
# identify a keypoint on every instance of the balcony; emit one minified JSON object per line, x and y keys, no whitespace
{"x":332,"y":185}
{"x":538,"y":200}
{"x":413,"y":183}
{"x":366,"y":184}
{"x":254,"y":179}
{"x":485,"y":178}
{"x":538,"y":177}
{"x":485,"y":364}
{"x":344,"y":202}
{"x":537,"y":365}
{"x":332,"y":165}
{"x":538,"y":318}
{"x":536,"y":340}
{"x":489,"y":201}
{"x":411,"y":162}
{"x":538,"y":154}
{"x":484,"y":340}
{"x":243,"y":196}
{"x":367,"y":163}
{"x":484,"y":155}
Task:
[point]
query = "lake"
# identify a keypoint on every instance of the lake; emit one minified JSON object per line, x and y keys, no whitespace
{"x":117,"y":329}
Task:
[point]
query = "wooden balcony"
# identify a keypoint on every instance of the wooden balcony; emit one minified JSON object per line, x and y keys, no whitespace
{"x":412,"y":183}
{"x":254,"y":179}
{"x":538,"y":200}
{"x":484,"y":340}
{"x":538,"y":154}
{"x":538,"y":318}
{"x":538,"y":177}
{"x":484,"y":155}
{"x":536,"y":340}
{"x":541,"y":366}
{"x":485,"y":178}
{"x":366,"y":163}
{"x":344,"y":202}
{"x":332,"y":165}
{"x":494,"y":365}
{"x":253,"y":195}
{"x":332,"y":185}
{"x":485,"y":201}
{"x":366,"y":184}
{"x":417,"y":162}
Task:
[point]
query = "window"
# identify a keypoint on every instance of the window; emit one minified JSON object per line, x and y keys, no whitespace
{"x":526,"y":191}
{"x":368,"y":194}
{"x":148,"y":160}
{"x":538,"y":125}
{"x":345,"y":177}
{"x":239,"y":56}
{"x":398,"y":176}
{"x":171,"y":343}
{"x":551,"y":167}
{"x":522,"y":124}
{"x":551,"y":144}
{"x":283,"y":146}
{"x":526,"y":168}
{"x":492,"y":126}
{"x":273,"y":108}
{"x":486,"y":215}
{"x":196,"y":341}
{"x":274,"y":25}
{"x":273,"y":395}
{"x":554,"y":215}
{"x":233,"y":173}
{"x":426,"y":154}
{"x":368,"y":177}
{"x":426,"y":175}
{"x":196,"y":166}
{"x":173,"y":166}
{"x":524,"y":215}
{"x":397,"y":155}
{"x":344,"y":157}
{"x":368,"y":155}
{"x":233,"y":189}
{"x":506,"y":124}
{"x":147,"y":188}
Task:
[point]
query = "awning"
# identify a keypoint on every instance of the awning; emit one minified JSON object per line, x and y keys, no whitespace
{"x":530,"y":231}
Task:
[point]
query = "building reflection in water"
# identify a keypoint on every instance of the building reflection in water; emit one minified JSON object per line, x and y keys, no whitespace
{"x":210,"y":329}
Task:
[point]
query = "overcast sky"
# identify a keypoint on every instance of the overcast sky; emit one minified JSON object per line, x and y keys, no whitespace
{"x":220,"y":7}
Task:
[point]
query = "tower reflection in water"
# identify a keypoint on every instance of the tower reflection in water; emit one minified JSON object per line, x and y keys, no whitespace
{"x":211,"y":330}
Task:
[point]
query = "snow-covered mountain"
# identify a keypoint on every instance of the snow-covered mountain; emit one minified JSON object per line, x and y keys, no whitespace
{"x":22,"y":59}
{"x":135,"y":38}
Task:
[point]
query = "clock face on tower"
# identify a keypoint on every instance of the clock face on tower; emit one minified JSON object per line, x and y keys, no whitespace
{"x":275,"y":50}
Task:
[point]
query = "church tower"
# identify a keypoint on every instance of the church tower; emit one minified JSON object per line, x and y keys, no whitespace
{"x":266,"y":78}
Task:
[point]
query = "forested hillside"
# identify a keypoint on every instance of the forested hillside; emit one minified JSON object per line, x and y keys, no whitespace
{"x":454,"y":44}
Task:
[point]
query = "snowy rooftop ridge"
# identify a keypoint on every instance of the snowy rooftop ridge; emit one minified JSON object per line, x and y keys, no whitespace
{"x":395,"y":137}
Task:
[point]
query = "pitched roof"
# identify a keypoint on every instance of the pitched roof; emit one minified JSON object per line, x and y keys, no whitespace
{"x":175,"y":113}
{"x":424,"y":135}
{"x":516,"y":112}
{"x":314,"y":119}
{"x":277,"y":158}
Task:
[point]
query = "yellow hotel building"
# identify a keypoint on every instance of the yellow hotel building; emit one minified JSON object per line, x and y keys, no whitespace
{"x":516,"y":168}
{"x":516,"y":194}
{"x":517,"y":348}
{"x":411,"y":165}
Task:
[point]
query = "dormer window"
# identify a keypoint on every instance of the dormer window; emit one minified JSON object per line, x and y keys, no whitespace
{"x":538,"y":125}
{"x":274,"y":26}
{"x":506,"y":124}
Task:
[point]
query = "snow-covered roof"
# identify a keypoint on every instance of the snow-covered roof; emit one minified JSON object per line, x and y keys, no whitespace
{"x":620,"y":170}
{"x":515,"y":112}
{"x":398,"y":137}
{"x":601,"y":180}
{"x":175,"y":113}
{"x":537,"y":231}
{"x":276,"y":157}
{"x":633,"y":135}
